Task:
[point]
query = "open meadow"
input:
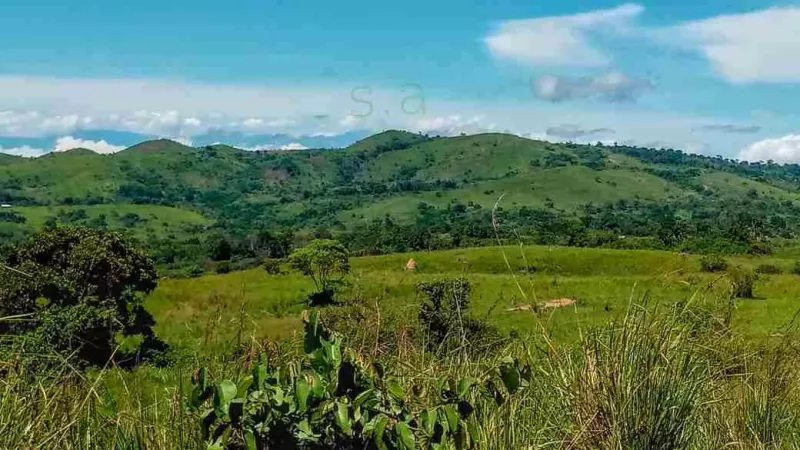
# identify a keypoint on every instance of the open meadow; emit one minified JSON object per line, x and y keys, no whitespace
{"x":196,"y":314}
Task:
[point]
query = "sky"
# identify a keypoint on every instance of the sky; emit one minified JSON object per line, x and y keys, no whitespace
{"x":713,"y":77}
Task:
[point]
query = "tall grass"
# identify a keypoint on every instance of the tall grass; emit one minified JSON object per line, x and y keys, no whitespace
{"x":658,"y":379}
{"x":665,"y":376}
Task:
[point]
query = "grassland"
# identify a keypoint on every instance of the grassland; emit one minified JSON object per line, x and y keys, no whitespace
{"x":667,"y":378}
{"x":207,"y":313}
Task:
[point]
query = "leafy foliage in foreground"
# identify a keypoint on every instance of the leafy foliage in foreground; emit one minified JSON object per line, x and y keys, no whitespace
{"x":327,"y":400}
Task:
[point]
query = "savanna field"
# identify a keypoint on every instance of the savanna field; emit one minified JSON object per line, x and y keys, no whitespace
{"x":603,"y":283}
{"x":649,"y":338}
{"x":406,"y":292}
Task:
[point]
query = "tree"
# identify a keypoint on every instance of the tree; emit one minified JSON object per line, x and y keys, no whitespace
{"x":218,"y":247}
{"x":325,"y":261}
{"x":80,"y":292}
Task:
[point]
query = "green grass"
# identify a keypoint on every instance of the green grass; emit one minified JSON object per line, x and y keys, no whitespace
{"x":210,"y":312}
{"x":156,"y":221}
{"x":567,"y":187}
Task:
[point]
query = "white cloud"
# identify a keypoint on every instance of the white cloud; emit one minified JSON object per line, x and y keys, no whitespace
{"x":784,"y":149}
{"x":25,"y":150}
{"x":182,"y":140}
{"x":560,"y":40}
{"x":293,"y":146}
{"x":31,"y":123}
{"x":452,"y":125}
{"x":349,"y":120}
{"x":63,"y":144}
{"x":759,"y":46}
{"x":193,"y":122}
{"x":68,"y":143}
{"x":289,"y":146}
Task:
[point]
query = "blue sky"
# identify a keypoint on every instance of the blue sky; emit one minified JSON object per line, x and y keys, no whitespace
{"x":707,"y":77}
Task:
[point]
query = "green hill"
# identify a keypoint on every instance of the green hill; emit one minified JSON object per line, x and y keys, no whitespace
{"x":400,"y":191}
{"x":6,"y":159}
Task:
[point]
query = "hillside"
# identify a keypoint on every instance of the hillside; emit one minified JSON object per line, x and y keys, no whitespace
{"x":436,"y":191}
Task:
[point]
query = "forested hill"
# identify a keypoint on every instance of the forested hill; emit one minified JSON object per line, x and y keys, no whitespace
{"x":398,"y":190}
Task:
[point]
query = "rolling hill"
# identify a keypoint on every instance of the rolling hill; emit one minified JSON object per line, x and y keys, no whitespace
{"x":404,"y":177}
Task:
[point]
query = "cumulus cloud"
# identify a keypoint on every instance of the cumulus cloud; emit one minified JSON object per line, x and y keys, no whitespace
{"x":24,"y":150}
{"x":31,"y":123}
{"x":68,"y":143}
{"x":560,"y":40}
{"x":63,"y":144}
{"x":759,"y":46}
{"x":611,"y":86}
{"x":453,"y":125}
{"x":784,"y":149}
{"x":729,"y":128}
{"x":289,"y":146}
{"x":573,"y":131}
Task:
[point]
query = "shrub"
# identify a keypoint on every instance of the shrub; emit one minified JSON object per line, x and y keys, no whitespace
{"x":742,"y":281}
{"x":325,"y":262}
{"x":713,"y":263}
{"x":83,"y":290}
{"x":223,"y":267}
{"x":443,"y":315}
{"x":326,"y":400}
{"x":760,"y":249}
{"x":769,"y":269}
{"x":195,"y":271}
{"x":796,"y":268}
{"x":273,"y":266}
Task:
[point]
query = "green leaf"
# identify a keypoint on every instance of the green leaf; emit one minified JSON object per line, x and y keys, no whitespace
{"x":302,"y":390}
{"x":452,"y":417}
{"x":510,"y":375}
{"x":395,"y":391}
{"x":260,"y":372}
{"x":250,"y":440}
{"x":225,"y":392}
{"x":343,"y":418}
{"x":463,"y":387}
{"x":407,"y":438}
{"x":363,"y":398}
{"x":429,"y":419}
{"x":380,"y":427}
{"x":472,"y":428}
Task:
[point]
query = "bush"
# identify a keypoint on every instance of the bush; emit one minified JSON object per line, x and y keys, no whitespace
{"x":444,"y":317}
{"x":325,"y":262}
{"x":796,"y":268}
{"x":742,"y":281}
{"x":83,"y":290}
{"x":223,"y":267}
{"x":326,"y":400}
{"x":273,"y":266}
{"x":769,"y":269}
{"x":196,"y":271}
{"x":713,"y":263}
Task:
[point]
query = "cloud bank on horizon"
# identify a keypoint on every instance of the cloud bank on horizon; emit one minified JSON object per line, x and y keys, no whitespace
{"x":714,"y":81}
